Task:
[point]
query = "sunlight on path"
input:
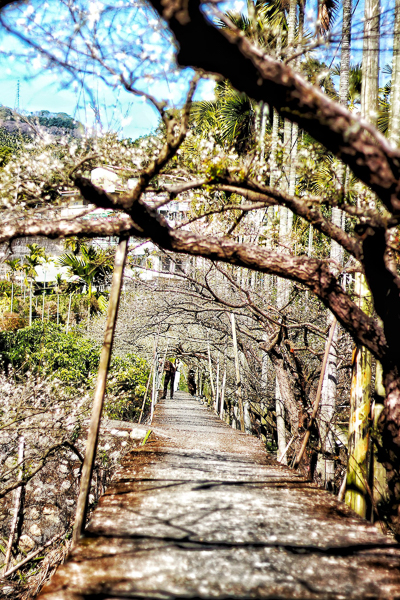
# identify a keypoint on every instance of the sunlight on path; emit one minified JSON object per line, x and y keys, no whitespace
{"x":202,"y":512}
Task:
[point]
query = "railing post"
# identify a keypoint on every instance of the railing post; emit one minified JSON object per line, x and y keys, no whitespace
{"x":91,"y":445}
{"x":237,"y":367}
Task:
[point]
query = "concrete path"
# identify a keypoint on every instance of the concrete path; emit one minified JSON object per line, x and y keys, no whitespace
{"x":202,"y":512}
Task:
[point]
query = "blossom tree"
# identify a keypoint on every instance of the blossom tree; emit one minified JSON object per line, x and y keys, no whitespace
{"x":192,"y":31}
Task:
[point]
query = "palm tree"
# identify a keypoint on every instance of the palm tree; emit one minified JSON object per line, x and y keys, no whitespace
{"x":36,"y":257}
{"x":76,"y":244}
{"x":351,"y":94}
{"x":230,"y":117}
{"x":91,"y":268}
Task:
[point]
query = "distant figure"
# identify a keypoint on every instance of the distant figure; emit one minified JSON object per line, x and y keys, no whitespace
{"x":191,"y":382}
{"x":177,"y":374}
{"x":169,"y":370}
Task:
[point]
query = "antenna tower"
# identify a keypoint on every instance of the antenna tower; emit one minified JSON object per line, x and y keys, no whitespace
{"x":16,"y":107}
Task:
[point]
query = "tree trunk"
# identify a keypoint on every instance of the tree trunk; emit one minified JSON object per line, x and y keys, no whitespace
{"x":345,"y":53}
{"x":378,"y":471}
{"x":359,"y":424}
{"x":394,"y":117}
{"x":389,"y":451}
{"x":274,"y":171}
{"x":325,"y":465}
{"x":370,"y":61}
{"x":280,"y":423}
{"x":17,"y":505}
{"x":285,"y":401}
{"x":358,"y":466}
{"x":238,"y":379}
{"x":99,"y":393}
{"x":263,"y":124}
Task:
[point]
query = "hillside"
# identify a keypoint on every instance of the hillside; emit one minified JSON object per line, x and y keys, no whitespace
{"x":42,"y":122}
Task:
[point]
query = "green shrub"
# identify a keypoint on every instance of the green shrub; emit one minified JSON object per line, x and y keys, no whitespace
{"x":126,"y":387}
{"x":45,"y":349}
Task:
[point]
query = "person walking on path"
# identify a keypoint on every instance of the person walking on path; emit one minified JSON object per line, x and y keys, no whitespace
{"x":191,"y":380}
{"x":169,"y":370}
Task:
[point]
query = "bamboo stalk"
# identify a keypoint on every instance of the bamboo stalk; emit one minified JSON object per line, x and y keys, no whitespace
{"x":237,"y":367}
{"x":91,"y":446}
{"x":17,"y":505}
{"x":318,"y":396}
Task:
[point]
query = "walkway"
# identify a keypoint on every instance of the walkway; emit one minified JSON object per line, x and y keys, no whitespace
{"x":201,"y":512}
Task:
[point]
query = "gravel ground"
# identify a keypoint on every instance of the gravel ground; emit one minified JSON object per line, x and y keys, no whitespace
{"x":201,"y":511}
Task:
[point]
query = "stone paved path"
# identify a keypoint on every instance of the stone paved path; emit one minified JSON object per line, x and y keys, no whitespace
{"x":201,"y":512}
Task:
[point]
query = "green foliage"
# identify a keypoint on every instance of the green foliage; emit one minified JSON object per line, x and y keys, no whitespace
{"x":61,"y":120}
{"x":230,"y":117}
{"x":5,"y":287}
{"x":5,"y":155}
{"x":92,"y":266}
{"x":355,"y":78}
{"x":10,"y":143}
{"x":45,"y":349}
{"x":127,"y":386}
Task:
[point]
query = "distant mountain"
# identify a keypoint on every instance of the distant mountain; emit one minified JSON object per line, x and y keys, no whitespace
{"x":42,"y":122}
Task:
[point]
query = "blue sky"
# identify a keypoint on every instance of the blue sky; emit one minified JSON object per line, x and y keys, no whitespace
{"x":43,"y":92}
{"x":45,"y":88}
{"x":42,"y":88}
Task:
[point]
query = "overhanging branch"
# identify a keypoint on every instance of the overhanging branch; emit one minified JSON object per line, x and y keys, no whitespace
{"x":229,"y":53}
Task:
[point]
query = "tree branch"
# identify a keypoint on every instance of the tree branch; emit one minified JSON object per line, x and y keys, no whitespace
{"x":229,"y":53}
{"x":302,"y":207}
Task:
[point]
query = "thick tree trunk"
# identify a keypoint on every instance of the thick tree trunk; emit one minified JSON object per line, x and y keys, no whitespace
{"x":359,"y":425}
{"x":378,"y":472}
